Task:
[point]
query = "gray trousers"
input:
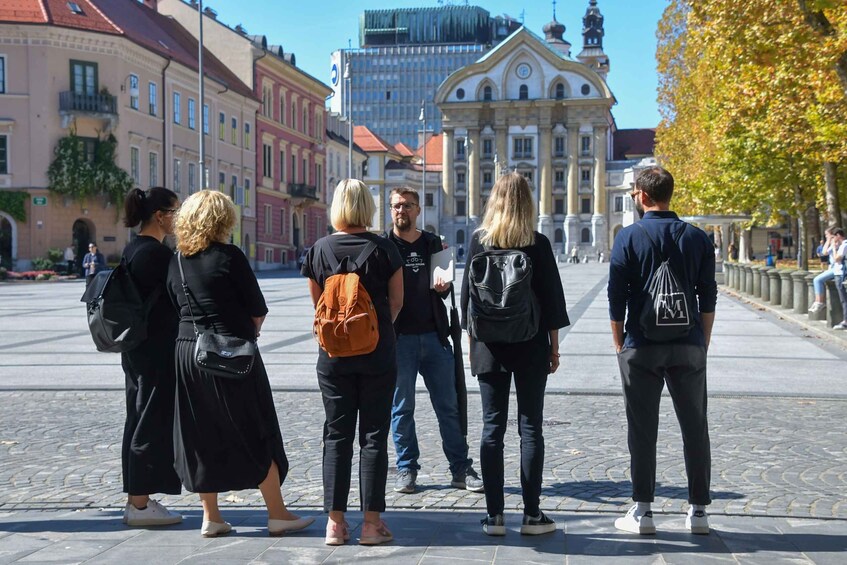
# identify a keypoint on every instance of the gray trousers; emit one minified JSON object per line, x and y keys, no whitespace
{"x":644,"y":372}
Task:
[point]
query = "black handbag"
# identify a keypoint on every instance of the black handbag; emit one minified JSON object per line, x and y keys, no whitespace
{"x":221,"y":355}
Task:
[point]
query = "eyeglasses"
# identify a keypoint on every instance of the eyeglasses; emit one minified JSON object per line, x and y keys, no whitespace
{"x":633,"y":193}
{"x":168,"y":210}
{"x":403,"y":206}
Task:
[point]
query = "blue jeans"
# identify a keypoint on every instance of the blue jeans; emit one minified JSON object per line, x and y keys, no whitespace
{"x":820,"y":281}
{"x":424,"y":354}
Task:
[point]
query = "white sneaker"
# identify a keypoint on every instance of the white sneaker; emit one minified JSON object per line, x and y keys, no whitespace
{"x":637,"y":523}
{"x":816,"y":307}
{"x":697,"y":521}
{"x":840,"y":326}
{"x":154,"y":515}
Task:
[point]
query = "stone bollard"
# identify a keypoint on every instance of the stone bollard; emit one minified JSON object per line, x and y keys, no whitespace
{"x":787,"y":300}
{"x":810,"y":293}
{"x":727,"y":269}
{"x":748,"y":279}
{"x":801,"y":295}
{"x":757,"y":280}
{"x":775,"y":286}
{"x":834,"y":314}
{"x":733,"y":275}
{"x":766,"y":285}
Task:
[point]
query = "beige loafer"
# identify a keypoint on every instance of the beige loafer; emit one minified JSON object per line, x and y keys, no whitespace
{"x":277,"y":528}
{"x":215,"y":529}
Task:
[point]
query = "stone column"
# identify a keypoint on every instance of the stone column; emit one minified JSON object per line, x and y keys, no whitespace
{"x":810,"y":298}
{"x":766,"y":287}
{"x":473,"y":178}
{"x":800,"y":293}
{"x":545,"y":188}
{"x":757,"y":280}
{"x":833,"y":304}
{"x":449,"y":202}
{"x":787,"y":289}
{"x":501,"y":131}
{"x":598,"y":219}
{"x":572,"y":220}
{"x":775,"y":287}
{"x":748,"y":279}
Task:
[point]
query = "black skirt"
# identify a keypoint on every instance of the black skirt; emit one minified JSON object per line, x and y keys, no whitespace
{"x":227,"y":432}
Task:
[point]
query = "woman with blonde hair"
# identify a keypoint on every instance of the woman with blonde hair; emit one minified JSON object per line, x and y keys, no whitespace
{"x":226,"y":433}
{"x":508,"y":225}
{"x":357,"y":386}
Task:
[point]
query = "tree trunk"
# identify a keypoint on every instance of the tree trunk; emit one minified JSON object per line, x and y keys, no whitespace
{"x":833,"y":207}
{"x":802,"y":229}
{"x":744,"y":246}
{"x":813,"y":220}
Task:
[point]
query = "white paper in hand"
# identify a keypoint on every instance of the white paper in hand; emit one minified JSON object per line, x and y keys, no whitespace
{"x":442,"y":265}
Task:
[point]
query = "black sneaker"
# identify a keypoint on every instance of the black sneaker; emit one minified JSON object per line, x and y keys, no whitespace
{"x":467,"y":480}
{"x":537,"y":525}
{"x":494,"y":525}
{"x":406,"y":481}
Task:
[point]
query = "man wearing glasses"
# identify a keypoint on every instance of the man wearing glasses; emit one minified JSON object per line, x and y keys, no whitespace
{"x":678,"y":359}
{"x":423,"y":346}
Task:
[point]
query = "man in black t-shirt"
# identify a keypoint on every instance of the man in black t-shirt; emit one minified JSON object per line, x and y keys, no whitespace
{"x":423,"y":346}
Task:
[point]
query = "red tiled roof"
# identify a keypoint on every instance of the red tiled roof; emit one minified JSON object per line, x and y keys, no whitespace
{"x":434,"y":152}
{"x":403,"y":149}
{"x":369,"y":141}
{"x":58,"y":13}
{"x":22,"y":11}
{"x":633,"y":143}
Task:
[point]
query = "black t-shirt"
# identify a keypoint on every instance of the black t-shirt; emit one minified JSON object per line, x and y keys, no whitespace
{"x":416,"y":317}
{"x":374,"y":274}
{"x":225,"y":295}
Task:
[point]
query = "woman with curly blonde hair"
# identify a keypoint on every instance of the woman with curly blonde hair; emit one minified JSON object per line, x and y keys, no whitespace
{"x":226,"y":433}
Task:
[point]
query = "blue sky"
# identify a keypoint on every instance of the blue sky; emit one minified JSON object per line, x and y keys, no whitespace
{"x":313,"y":29}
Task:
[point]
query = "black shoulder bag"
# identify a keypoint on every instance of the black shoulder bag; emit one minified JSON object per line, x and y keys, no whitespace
{"x":221,"y":355}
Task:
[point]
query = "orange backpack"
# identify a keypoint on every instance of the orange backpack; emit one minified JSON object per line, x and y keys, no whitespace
{"x":346,"y":322}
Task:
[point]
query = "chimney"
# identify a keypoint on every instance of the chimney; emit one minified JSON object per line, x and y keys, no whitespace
{"x":152,"y":4}
{"x":211,"y":13}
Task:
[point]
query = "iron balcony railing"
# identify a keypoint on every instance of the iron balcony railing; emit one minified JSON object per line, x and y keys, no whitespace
{"x":70,"y":101}
{"x":300,"y":190}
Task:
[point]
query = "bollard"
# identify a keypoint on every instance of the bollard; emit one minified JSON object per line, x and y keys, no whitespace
{"x":766,"y":285}
{"x":757,"y":280}
{"x":787,"y":300}
{"x":810,"y":292}
{"x":733,"y":275}
{"x":748,"y":279}
{"x":775,"y":286}
{"x":801,"y":295}
{"x":833,"y":304}
{"x":727,"y":269}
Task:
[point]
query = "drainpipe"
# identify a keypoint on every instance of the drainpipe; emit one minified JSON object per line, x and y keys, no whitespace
{"x":165,"y":126}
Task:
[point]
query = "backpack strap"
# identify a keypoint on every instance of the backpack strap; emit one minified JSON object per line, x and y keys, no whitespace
{"x":656,"y":245}
{"x":360,"y":260}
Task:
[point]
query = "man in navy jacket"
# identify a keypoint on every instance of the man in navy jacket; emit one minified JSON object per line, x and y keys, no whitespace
{"x":647,"y":365}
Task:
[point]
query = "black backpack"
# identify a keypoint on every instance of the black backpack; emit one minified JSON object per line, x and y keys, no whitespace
{"x":502,"y":307}
{"x":666,"y":314}
{"x":117,"y":315}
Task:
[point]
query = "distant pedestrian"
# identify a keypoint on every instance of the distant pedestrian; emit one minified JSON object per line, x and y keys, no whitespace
{"x":827,"y":254}
{"x":646,"y":365}
{"x":227,"y":433}
{"x":574,"y":257}
{"x":461,"y":253}
{"x":357,"y":387}
{"x":92,"y":263}
{"x":508,"y":225}
{"x":70,"y":256}
{"x":423,"y":347}
{"x":147,"y":453}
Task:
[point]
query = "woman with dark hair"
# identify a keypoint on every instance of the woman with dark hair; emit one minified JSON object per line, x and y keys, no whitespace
{"x":147,"y":454}
{"x":508,"y":224}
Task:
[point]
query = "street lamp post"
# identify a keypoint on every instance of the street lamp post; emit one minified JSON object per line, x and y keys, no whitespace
{"x":423,"y":182}
{"x":348,"y":78}
{"x":203,"y":172}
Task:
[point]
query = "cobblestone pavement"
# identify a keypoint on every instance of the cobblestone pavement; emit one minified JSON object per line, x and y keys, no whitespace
{"x":771,"y":456}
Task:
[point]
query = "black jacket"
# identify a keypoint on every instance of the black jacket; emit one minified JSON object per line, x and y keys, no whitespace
{"x":439,"y":310}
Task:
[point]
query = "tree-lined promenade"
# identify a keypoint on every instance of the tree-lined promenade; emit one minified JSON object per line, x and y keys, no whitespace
{"x":753,"y":97}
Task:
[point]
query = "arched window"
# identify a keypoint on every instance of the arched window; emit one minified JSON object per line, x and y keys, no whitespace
{"x":558,"y":236}
{"x":486,"y":93}
{"x":460,"y":237}
{"x":560,"y":91}
{"x":585,"y":236}
{"x":523,"y":92}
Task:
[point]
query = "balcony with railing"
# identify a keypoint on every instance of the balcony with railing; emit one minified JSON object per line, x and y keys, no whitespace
{"x":302,"y":194}
{"x":99,"y":106}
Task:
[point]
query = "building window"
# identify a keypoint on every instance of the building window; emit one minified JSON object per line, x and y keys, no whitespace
{"x":486,"y":95}
{"x":559,"y":146}
{"x":233,"y":138}
{"x":153,"y":172}
{"x":305,"y":170}
{"x":247,"y":192}
{"x":428,"y":200}
{"x":585,"y":206}
{"x":559,"y":177}
{"x":282,"y":214}
{"x":560,"y":91}
{"x":293,"y":168}
{"x":460,"y":180}
{"x":460,"y":149}
{"x":281,"y":107}
{"x":523,"y":92}
{"x":133,"y":87}
{"x":460,"y":206}
{"x":206,"y":119}
{"x":267,"y":101}
{"x":177,"y":175}
{"x":528,"y":176}
{"x":233,"y":189}
{"x":221,"y":126}
{"x":192,"y":110}
{"x":559,"y":206}
{"x":134,"y":165}
{"x":586,"y":90}
{"x":4,"y":155}
{"x":319,"y":175}
{"x":269,"y":255}
{"x":267,"y":161}
{"x":84,"y":78}
{"x":585,"y":236}
{"x":558,"y":236}
{"x":522,"y":147}
{"x":460,"y":237}
{"x":618,"y":203}
{"x":487,"y":146}
{"x":486,"y":179}
{"x":282,"y":166}
{"x":152,"y":99}
{"x":585,"y":176}
{"x":192,"y":178}
{"x":221,"y":181}
{"x":585,"y":144}
{"x":460,"y":93}
{"x":177,"y":109}
{"x":246,"y":135}
{"x":3,"y":75}
{"x":268,"y":218}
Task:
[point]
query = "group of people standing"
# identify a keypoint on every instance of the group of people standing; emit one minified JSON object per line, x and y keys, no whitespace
{"x":832,"y":252}
{"x":225,"y":432}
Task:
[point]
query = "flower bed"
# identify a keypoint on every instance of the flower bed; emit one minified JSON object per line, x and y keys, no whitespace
{"x":31,"y":275}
